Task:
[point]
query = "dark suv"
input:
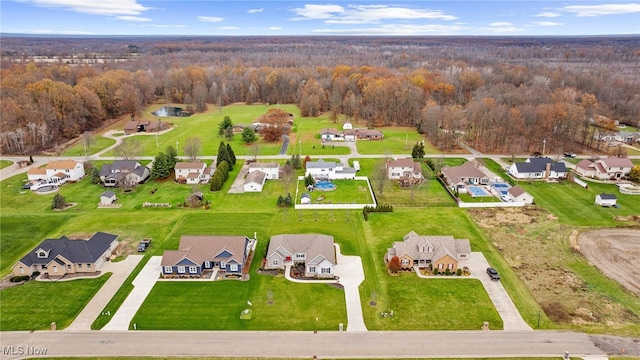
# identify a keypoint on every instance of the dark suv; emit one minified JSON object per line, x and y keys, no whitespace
{"x":493,"y":274}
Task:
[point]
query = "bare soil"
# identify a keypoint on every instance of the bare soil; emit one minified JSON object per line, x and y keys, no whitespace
{"x":540,"y":250}
{"x":615,"y":252}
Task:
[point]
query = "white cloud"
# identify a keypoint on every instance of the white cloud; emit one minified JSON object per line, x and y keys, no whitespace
{"x":274,"y":28}
{"x":161,"y":26}
{"x":363,"y":14}
{"x":546,"y":23}
{"x":132,"y":18}
{"x":254,"y":11}
{"x":398,"y":30}
{"x":228,"y":28}
{"x":101,"y":7}
{"x":604,"y":9}
{"x":501,"y":23}
{"x":210,"y":18}
{"x":549,"y":14}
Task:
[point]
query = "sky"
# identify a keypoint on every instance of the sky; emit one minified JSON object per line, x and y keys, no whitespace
{"x":335,"y":18}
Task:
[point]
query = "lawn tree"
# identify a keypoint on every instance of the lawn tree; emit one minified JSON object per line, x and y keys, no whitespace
{"x":223,"y":169}
{"x":95,"y":176}
{"x":634,"y":175}
{"x":223,"y":155}
{"x":172,"y":156}
{"x":58,"y":202}
{"x":418,"y":151}
{"x":129,"y":149}
{"x":395,"y":265}
{"x":379,"y":177}
{"x":295,"y":161}
{"x":228,"y":133}
{"x":255,"y":150}
{"x":224,"y":125}
{"x":249,"y":135}
{"x":232,"y":155}
{"x":87,"y":141}
{"x":309,"y":181}
{"x":306,"y":160}
{"x":216,"y":181}
{"x":192,"y":147}
{"x":288,"y":176}
{"x":160,"y":169}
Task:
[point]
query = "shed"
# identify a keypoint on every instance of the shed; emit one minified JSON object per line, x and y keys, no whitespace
{"x":305,"y":198}
{"x":107,"y":198}
{"x":606,"y":200}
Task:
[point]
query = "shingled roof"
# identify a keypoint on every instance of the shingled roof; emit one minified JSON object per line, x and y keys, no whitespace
{"x":76,"y":251}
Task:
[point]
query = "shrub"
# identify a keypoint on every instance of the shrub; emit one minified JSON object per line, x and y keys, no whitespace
{"x":447,"y":271}
{"x":435,"y":271}
{"x":19,"y":278}
{"x":459,"y":272}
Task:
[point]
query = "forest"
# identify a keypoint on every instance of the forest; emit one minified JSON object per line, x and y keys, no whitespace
{"x":497,"y":94}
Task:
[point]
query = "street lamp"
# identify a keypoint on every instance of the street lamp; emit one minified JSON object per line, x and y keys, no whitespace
{"x":176,"y":148}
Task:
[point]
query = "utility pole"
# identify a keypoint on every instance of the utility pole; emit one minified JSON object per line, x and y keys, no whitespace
{"x":544,"y":145}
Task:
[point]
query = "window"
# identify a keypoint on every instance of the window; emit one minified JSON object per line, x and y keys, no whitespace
{"x":168,"y":269}
{"x":233,"y":267}
{"x":21,"y":270}
{"x":312,"y":269}
{"x":449,"y":266}
{"x":325,"y":270}
{"x":193,"y":270}
{"x":299,"y":256}
{"x":42,"y":254}
{"x":207,"y":264}
{"x":181,"y":270}
{"x":68,"y":266}
{"x":79,"y":266}
{"x":405,"y":261}
{"x":440,"y":266}
{"x":88,"y":266}
{"x":55,"y":268}
{"x":275,"y":262}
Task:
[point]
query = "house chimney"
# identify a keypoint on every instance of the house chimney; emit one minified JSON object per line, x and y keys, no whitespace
{"x":547,"y":171}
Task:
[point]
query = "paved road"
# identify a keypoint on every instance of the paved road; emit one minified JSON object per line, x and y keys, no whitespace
{"x":142,"y":285}
{"x":371,"y":344}
{"x":120,"y":271}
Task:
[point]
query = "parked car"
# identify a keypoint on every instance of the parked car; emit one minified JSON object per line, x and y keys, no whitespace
{"x":144,"y":244}
{"x":505,"y":198}
{"x":493,"y":274}
{"x":569,"y":154}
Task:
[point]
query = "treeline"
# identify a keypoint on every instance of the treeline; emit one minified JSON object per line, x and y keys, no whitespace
{"x":507,"y":103}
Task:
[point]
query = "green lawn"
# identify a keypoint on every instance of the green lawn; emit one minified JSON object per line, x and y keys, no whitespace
{"x":5,"y":163}
{"x":56,"y":301}
{"x":99,"y":143}
{"x":397,"y":140}
{"x":346,"y":192}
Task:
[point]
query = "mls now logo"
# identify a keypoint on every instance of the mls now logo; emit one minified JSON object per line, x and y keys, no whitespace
{"x":23,"y":350}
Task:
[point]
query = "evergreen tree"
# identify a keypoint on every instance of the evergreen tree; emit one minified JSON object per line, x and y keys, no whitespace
{"x":224,"y":125}
{"x":30,"y":159}
{"x":228,"y":133}
{"x":288,"y":200}
{"x":58,"y":202}
{"x":172,"y":157}
{"x":295,"y":161}
{"x":280,"y":201}
{"x":223,"y":155}
{"x":223,"y":168}
{"x":232,"y":155}
{"x":418,"y":151}
{"x":95,"y":176}
{"x":249,"y":135}
{"x":216,"y":181}
{"x":309,"y":180}
{"x":160,"y":169}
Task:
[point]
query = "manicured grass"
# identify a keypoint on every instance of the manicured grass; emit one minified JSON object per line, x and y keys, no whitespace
{"x":397,"y":140}
{"x":217,"y":306}
{"x":100,"y":143}
{"x":478,"y":199}
{"x":575,"y":205}
{"x":5,"y":163}
{"x":281,"y":358}
{"x":346,"y":192}
{"x":632,"y":151}
{"x":56,"y":301}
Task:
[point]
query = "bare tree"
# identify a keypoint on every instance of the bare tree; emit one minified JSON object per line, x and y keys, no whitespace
{"x":129,"y":149}
{"x":380,"y":176}
{"x":192,"y":147}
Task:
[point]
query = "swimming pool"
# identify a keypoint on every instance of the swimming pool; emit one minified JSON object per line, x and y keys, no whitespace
{"x":477,"y":191}
{"x":325,"y":185}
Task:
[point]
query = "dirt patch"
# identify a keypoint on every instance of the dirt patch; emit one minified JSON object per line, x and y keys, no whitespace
{"x":616,"y":345}
{"x":615,"y":252}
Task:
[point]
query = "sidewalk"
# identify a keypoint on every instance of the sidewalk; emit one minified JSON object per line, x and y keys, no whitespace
{"x":93,"y":309}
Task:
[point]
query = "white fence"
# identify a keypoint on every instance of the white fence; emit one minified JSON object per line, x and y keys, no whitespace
{"x":580,"y":182}
{"x":491,"y":204}
{"x":629,"y":189}
{"x":336,"y":206}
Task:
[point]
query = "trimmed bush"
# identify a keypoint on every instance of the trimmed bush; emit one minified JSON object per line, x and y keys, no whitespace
{"x":19,"y":278}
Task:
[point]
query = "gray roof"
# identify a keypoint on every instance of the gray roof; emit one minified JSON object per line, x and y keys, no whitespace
{"x":122,"y":166}
{"x":320,"y":164}
{"x":258,"y":165}
{"x":604,"y":196}
{"x":108,"y":194}
{"x":534,"y":165}
{"x":467,"y":170}
{"x":257,"y":177}
{"x":314,"y":246}
{"x":76,"y":251}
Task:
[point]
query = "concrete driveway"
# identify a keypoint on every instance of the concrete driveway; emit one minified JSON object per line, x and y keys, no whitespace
{"x":351,"y":274}
{"x":501,"y":300}
{"x":142,"y":285}
{"x":93,"y":309}
{"x":238,"y":183}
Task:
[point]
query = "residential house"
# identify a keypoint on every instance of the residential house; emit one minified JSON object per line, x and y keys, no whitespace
{"x":315,"y":251}
{"x":134,"y":126}
{"x":199,"y":253}
{"x":606,"y":200}
{"x":538,"y":168}
{"x":611,"y":168}
{"x":465,"y":174}
{"x":123,"y":172}
{"x":330,"y":170}
{"x":107,"y":198}
{"x":406,"y":171}
{"x":58,"y":171}
{"x":194,"y":172}
{"x":58,"y":257}
{"x":272,"y":170}
{"x":331,"y":135}
{"x":441,"y":252}
{"x":519,"y":195}
{"x":362,"y":134}
{"x":37,"y":174}
{"x":254,"y":182}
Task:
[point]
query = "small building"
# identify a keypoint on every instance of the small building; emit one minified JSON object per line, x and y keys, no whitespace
{"x":606,"y":200}
{"x":254,"y":182}
{"x":195,"y":172}
{"x":519,"y":195}
{"x":107,"y":198}
{"x":272,"y":170}
{"x":347,"y":126}
{"x":134,"y":126}
{"x":315,"y":251}
{"x":58,"y":257}
{"x":305,"y":198}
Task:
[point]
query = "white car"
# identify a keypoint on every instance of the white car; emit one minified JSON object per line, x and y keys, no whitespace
{"x":505,"y":198}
